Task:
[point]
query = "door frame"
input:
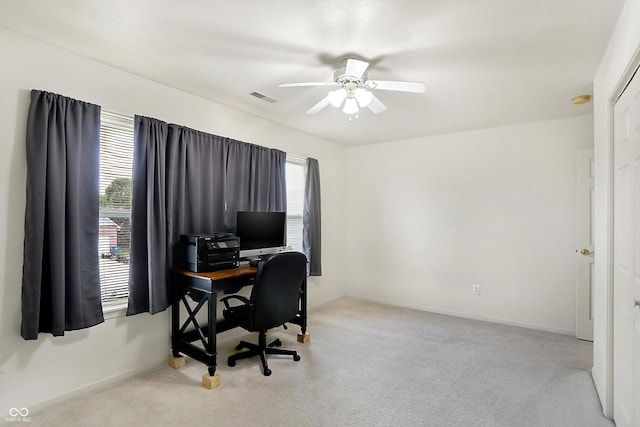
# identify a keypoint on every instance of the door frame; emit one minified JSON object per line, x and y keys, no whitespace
{"x":623,"y":81}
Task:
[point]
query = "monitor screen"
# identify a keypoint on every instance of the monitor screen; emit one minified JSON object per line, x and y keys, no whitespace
{"x":261,"y":230}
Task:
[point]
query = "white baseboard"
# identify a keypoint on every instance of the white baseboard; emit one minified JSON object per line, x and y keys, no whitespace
{"x":94,"y":387}
{"x":473,"y":317}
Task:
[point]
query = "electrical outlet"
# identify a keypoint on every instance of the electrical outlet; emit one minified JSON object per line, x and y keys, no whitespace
{"x":475,"y":289}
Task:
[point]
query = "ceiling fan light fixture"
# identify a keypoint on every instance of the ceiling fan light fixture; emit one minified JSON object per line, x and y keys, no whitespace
{"x":354,"y":90}
{"x":336,"y":97}
{"x":363,"y":97}
{"x":350,"y":106}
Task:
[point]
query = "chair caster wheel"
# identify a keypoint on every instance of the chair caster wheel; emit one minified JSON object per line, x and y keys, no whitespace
{"x":267,"y":372}
{"x":231,"y":363}
{"x":296,"y":357}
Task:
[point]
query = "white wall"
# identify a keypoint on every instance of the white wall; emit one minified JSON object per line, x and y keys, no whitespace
{"x":429,"y":217}
{"x":621,"y":57}
{"x":36,"y":373}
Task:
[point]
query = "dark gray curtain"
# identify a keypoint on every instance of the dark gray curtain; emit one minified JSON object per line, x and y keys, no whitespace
{"x":278,"y":181}
{"x":255,"y":180}
{"x":311,"y":223}
{"x":195,"y":183}
{"x":181,"y":181}
{"x":147,"y":260}
{"x":61,"y":278}
{"x":178,"y":188}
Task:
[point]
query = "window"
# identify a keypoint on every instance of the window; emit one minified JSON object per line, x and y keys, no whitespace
{"x":116,"y":166}
{"x":296,"y":173}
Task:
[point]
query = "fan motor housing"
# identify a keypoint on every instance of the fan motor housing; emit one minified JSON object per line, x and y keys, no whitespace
{"x":342,"y":78}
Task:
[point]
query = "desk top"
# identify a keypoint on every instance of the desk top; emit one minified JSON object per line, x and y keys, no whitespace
{"x":243,"y":270}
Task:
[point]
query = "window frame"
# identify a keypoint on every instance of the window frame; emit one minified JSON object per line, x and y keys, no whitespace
{"x":117,"y":307}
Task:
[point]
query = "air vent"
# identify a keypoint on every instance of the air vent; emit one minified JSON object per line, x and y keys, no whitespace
{"x":265,"y":98}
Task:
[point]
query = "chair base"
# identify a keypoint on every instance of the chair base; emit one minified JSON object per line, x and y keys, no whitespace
{"x":261,"y":349}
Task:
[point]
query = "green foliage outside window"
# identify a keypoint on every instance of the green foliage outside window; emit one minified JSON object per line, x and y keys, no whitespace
{"x":117,"y":194}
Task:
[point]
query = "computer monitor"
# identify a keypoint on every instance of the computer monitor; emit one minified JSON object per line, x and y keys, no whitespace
{"x":261,"y":233}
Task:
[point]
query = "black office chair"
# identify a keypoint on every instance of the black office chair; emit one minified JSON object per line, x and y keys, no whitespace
{"x":274,"y":300}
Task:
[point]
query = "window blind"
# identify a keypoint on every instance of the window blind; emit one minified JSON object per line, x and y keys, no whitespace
{"x":295,"y":171}
{"x":116,"y":166}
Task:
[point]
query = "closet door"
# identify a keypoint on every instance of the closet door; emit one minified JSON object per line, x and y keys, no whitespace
{"x":626,"y":258}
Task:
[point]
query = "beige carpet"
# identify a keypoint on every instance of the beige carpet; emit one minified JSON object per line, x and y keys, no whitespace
{"x":367,"y":365}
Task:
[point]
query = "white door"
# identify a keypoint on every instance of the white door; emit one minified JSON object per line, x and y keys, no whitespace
{"x":584,"y":244}
{"x":626,"y":258}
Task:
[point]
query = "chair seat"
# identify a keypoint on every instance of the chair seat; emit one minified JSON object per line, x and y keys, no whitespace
{"x":240,"y":315}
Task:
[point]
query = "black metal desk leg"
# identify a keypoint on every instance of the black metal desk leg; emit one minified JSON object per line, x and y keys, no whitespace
{"x":303,"y":337}
{"x":211,"y":329}
{"x":175,"y":323}
{"x":303,"y":306}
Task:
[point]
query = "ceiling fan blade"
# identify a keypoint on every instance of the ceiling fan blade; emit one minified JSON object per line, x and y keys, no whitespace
{"x":415,"y":87}
{"x":355,"y":67}
{"x":307,"y":84}
{"x":376,"y":106}
{"x":319,"y":106}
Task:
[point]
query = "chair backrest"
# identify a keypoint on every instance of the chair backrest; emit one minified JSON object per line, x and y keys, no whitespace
{"x":276,"y":292}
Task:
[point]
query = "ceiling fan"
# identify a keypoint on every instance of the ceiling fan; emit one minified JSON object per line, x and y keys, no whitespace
{"x":355,"y":89}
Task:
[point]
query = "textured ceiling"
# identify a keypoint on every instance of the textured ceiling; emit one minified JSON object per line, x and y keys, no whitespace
{"x":485,"y":63}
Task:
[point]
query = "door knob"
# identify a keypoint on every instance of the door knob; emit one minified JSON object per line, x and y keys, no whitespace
{"x":636,"y":303}
{"x":586,"y":252}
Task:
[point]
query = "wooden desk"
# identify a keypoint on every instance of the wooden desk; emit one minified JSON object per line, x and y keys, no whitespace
{"x":202,"y":288}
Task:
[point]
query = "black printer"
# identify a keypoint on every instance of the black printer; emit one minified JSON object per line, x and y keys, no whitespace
{"x":207,"y":252}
